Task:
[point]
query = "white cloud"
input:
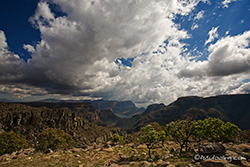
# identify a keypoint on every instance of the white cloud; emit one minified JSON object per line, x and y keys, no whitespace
{"x":226,"y":2}
{"x":213,"y":34}
{"x":199,"y":16}
{"x":194,"y":26}
{"x":11,"y":68}
{"x":77,"y":53}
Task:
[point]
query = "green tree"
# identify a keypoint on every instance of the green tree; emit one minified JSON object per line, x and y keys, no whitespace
{"x":215,"y":130}
{"x":10,"y":142}
{"x":231,"y":131}
{"x":54,"y":139}
{"x":180,"y":131}
{"x":150,"y":137}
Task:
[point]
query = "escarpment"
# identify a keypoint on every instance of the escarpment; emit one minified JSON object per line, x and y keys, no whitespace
{"x":30,"y":121}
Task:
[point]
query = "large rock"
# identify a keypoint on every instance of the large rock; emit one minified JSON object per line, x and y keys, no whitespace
{"x":214,"y":163}
{"x":211,"y":148}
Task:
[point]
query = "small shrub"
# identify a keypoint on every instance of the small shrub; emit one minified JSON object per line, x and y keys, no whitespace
{"x":11,"y":141}
{"x":116,"y":138}
{"x":54,"y":139}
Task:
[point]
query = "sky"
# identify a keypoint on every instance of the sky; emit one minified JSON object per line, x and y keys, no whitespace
{"x":146,"y":51}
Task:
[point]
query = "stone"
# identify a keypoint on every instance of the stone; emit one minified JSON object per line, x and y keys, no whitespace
{"x":142,"y":146}
{"x":244,"y":163}
{"x":109,"y":142}
{"x":5,"y":157}
{"x":145,"y":164}
{"x":123,"y":157}
{"x":76,"y":150}
{"x":161,"y":163}
{"x":135,"y":157}
{"x":108,"y":149}
{"x":241,"y":147}
{"x":135,"y":145}
{"x":22,"y":155}
{"x":211,"y":148}
{"x":166,"y":156}
{"x":214,"y":163}
{"x":29,"y":151}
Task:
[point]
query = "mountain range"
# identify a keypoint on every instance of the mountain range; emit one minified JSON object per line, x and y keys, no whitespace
{"x":99,"y":119}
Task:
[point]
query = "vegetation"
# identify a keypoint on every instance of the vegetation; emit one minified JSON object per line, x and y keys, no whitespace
{"x":180,"y":131}
{"x":215,"y":130}
{"x":150,"y":137}
{"x":54,"y":139}
{"x":116,"y":138}
{"x":211,"y":129}
{"x":244,"y":136}
{"x":10,"y":142}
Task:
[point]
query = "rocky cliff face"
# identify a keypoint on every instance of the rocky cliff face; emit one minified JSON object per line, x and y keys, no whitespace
{"x":229,"y":108}
{"x":30,"y":121}
{"x":153,"y":107}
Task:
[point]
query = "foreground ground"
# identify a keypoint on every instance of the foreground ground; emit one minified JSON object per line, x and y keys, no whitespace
{"x":129,"y":155}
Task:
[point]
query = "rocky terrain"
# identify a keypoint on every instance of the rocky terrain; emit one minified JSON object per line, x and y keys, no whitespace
{"x":92,"y":126}
{"x":29,"y":121}
{"x":133,"y":155}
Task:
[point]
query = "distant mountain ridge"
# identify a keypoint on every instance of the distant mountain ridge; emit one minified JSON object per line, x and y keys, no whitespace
{"x":120,"y":108}
{"x":229,"y":108}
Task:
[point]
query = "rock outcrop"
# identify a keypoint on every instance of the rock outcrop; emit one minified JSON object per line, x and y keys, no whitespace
{"x":211,"y":149}
{"x":30,"y":121}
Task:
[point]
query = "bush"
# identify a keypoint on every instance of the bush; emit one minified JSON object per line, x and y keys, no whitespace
{"x":116,"y":138}
{"x":54,"y":139}
{"x":11,"y":142}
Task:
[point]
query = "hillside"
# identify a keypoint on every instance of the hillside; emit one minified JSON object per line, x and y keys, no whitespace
{"x":232,"y":108}
{"x":30,"y":121}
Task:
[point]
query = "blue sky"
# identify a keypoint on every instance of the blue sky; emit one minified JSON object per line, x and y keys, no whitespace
{"x":144,"y":51}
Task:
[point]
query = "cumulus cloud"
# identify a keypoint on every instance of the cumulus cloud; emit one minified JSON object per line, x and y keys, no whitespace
{"x":229,"y":56}
{"x":78,"y":55}
{"x":11,"y":67}
{"x":213,"y":34}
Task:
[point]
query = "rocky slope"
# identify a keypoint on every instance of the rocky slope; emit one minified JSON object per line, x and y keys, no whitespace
{"x":30,"y":121}
{"x":232,"y":108}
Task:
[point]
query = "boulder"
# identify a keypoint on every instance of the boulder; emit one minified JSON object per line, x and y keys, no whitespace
{"x":214,"y":163}
{"x":211,"y":148}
